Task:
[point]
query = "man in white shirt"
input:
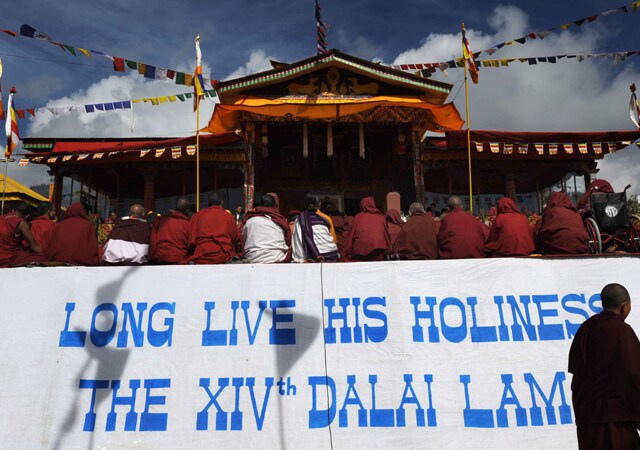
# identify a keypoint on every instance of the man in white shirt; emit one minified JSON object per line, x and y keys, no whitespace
{"x":312,"y":240}
{"x":266,"y":234}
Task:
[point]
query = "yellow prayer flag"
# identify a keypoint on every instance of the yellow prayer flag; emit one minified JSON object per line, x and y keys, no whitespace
{"x":142,"y":68}
{"x":154,"y":101}
{"x":85,"y":52}
{"x":163,"y":99}
{"x":486,"y":63}
{"x":565,"y":26}
{"x":505,"y":62}
{"x":494,"y":63}
{"x":173,"y":98}
{"x":188,"y":79}
{"x":510,"y":43}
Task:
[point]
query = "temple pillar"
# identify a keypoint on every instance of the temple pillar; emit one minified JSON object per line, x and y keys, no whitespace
{"x":418,"y":173}
{"x":56,"y":195}
{"x":249,"y":170}
{"x":510,"y":186}
{"x":149,"y":189}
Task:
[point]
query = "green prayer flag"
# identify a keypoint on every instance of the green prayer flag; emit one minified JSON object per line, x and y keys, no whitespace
{"x":179,"y":77}
{"x":131,"y":64}
{"x":71,"y":49}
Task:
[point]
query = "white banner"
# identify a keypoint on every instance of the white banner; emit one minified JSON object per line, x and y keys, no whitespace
{"x":439,"y":354}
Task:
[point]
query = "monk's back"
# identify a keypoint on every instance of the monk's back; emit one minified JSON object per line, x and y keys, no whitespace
{"x":461,"y":236}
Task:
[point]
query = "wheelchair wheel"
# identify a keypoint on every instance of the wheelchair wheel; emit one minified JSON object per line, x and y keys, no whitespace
{"x":595,"y":240}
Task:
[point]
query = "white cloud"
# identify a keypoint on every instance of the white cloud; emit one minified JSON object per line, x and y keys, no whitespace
{"x":568,"y":96}
{"x":258,"y":62}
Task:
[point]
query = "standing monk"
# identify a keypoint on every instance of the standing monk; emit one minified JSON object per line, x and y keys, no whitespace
{"x":561,"y":230}
{"x":368,"y":238}
{"x":169,"y":243}
{"x":461,"y":235}
{"x":510,"y":233}
{"x":605,"y":362}
{"x":13,"y":230}
{"x":214,"y":236}
{"x":73,"y":240}
{"x":42,"y":224}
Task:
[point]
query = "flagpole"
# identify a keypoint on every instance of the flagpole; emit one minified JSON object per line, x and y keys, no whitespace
{"x":466,"y":98}
{"x":198,"y":157}
{"x":4,"y":187}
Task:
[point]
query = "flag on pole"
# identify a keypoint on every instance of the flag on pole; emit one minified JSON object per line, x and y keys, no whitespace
{"x":11,"y":127}
{"x":468,"y":57}
{"x":198,"y":81}
{"x":321,"y":31}
{"x":634,"y":108}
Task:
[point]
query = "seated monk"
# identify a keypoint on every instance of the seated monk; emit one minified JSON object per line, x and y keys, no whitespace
{"x":128,"y":242}
{"x":342,"y":225}
{"x":394,"y":224}
{"x":169,"y":242}
{"x":418,"y":238}
{"x":368,"y":238}
{"x":510,"y":233}
{"x":42,"y":224}
{"x":13,"y":230}
{"x":596,"y":186}
{"x":561,"y":230}
{"x":312,"y":240}
{"x":461,"y":235}
{"x":73,"y":240}
{"x":214,"y":237}
{"x":266,"y":234}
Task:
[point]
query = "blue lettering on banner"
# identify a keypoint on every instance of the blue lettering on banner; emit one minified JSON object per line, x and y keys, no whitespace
{"x":236,"y":420}
{"x":325,"y":388}
{"x":484,"y":418}
{"x":107,"y":315}
{"x":148,"y":421}
{"x":229,"y":336}
{"x":350,"y":308}
{"x":527,"y":322}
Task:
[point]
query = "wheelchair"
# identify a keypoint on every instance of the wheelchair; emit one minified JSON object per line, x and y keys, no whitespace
{"x":610,"y":226}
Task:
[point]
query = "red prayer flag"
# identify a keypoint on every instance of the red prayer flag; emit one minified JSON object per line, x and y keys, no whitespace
{"x":118,"y":64}
{"x":468,"y":57}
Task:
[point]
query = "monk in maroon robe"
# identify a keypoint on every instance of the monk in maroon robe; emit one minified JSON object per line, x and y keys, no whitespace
{"x":418,"y":238}
{"x":596,"y":186}
{"x":73,"y":240}
{"x":13,"y":230}
{"x":215,"y":237}
{"x":561,"y":230}
{"x":42,"y":224}
{"x":605,"y":362}
{"x":510,"y":233}
{"x":394,"y":224}
{"x":341,"y":225}
{"x":368,"y":238}
{"x":169,"y":242}
{"x":461,"y":235}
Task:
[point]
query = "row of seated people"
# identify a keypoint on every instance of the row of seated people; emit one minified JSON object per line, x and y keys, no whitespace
{"x":212,"y":235}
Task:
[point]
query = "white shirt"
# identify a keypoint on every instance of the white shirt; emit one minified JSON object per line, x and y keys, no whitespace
{"x":264,"y":241}
{"x":321,"y":237}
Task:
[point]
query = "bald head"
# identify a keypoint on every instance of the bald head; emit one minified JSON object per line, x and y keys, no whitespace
{"x":416,"y":206}
{"x":137,"y":210}
{"x":454,"y":203}
{"x":183,"y":204}
{"x":614,"y":295}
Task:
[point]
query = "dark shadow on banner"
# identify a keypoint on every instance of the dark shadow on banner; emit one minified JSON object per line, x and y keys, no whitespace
{"x":102,"y":364}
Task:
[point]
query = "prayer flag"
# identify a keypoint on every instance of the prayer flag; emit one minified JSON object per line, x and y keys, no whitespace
{"x":159,"y":152}
{"x":568,"y":148}
{"x":66,"y":158}
{"x":597,"y":147}
{"x":583,"y":148}
{"x":143,"y":153}
{"x":11,"y":127}
{"x":23,"y":162}
{"x":495,"y":147}
{"x":37,"y":158}
{"x":52,"y":160}
{"x":83,"y":156}
{"x":28,"y":31}
{"x":191,"y":150}
{"x":198,"y":82}
{"x":1,"y":110}
{"x":131,"y":64}
{"x":468,"y":57}
{"x":539,"y":148}
{"x":98,"y":155}
{"x":553,"y":149}
{"x":321,"y":32}
{"x":118,"y":64}
{"x":176,"y":152}
{"x":479,"y":146}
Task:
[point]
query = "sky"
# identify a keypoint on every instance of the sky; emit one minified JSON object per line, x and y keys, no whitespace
{"x":239,"y":37}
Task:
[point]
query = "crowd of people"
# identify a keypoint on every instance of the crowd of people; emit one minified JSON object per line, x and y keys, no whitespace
{"x":214,"y":235}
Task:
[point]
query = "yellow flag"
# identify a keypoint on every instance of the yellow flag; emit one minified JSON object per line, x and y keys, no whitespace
{"x":85,"y":52}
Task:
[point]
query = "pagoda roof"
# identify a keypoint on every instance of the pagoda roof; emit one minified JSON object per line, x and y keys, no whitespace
{"x":15,"y":191}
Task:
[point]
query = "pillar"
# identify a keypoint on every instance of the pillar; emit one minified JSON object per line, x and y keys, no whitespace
{"x":249,"y":170}
{"x":56,"y":197}
{"x":510,"y":186}
{"x":418,"y":174}
{"x":149,"y":189}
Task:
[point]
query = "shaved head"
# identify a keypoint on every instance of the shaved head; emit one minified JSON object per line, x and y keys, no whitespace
{"x":137,"y":210}
{"x":416,"y":206}
{"x":183,"y":204}
{"x":614,"y":295}
{"x":454,"y":203}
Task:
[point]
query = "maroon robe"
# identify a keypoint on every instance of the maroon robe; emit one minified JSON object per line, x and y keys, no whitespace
{"x":368,"y":238}
{"x":11,"y":251}
{"x":394,"y":224}
{"x":418,"y":238}
{"x":605,"y":362}
{"x":511,"y":233}
{"x":562,"y":230}
{"x":215,"y":237}
{"x":169,"y":242}
{"x":596,"y":186}
{"x":42,"y":229}
{"x":73,"y":240}
{"x":461,"y":236}
{"x":342,"y":225}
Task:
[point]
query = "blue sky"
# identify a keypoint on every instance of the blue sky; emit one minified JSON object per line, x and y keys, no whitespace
{"x":239,"y":37}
